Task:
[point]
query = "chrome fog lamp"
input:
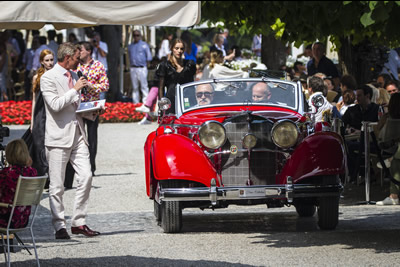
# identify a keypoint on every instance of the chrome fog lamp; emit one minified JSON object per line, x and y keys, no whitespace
{"x":212,"y":134}
{"x":164,"y":103}
{"x":249,"y":141}
{"x":285,"y":134}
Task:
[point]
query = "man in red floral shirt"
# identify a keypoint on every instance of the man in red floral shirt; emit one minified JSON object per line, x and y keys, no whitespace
{"x":96,"y":74}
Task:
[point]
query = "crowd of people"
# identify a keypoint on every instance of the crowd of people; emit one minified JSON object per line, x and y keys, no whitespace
{"x":340,"y":96}
{"x":61,"y":78}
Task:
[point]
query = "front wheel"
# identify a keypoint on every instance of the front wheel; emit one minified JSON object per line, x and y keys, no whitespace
{"x":157,"y":211}
{"x":171,"y":216}
{"x":328,"y":210}
{"x":171,"y":212}
{"x":305,"y":210}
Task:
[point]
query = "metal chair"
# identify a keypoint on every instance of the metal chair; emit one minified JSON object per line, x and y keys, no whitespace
{"x":28,"y":193}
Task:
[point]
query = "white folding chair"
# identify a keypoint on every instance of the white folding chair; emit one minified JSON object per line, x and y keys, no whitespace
{"x":28,"y":193}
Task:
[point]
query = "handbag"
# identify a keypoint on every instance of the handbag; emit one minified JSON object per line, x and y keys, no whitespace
{"x":27,"y":137}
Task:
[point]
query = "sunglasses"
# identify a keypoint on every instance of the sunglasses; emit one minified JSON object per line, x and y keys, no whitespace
{"x":136,"y":35}
{"x":206,"y":94}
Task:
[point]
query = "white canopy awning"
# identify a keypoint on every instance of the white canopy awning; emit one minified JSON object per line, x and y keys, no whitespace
{"x":73,"y":14}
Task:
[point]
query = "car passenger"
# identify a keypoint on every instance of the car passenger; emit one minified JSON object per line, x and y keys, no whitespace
{"x":204,"y":94}
{"x":261,"y":92}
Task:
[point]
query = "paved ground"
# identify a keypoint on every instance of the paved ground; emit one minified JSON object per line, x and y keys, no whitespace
{"x":237,"y":236}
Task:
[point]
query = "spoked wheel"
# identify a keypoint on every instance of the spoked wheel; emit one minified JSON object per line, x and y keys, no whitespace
{"x":171,"y":213}
{"x":328,"y":210}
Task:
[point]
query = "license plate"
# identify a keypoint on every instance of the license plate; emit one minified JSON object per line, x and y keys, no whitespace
{"x":252,"y":192}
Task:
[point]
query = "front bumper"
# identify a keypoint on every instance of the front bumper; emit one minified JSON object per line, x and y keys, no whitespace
{"x":213,"y":193}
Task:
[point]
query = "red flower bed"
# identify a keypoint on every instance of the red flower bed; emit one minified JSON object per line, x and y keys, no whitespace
{"x":12,"y":112}
{"x":121,"y":112}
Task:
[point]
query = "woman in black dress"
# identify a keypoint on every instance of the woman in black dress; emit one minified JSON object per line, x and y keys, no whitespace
{"x":38,"y":120}
{"x":175,"y":70}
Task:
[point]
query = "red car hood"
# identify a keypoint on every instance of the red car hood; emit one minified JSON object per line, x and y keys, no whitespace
{"x":197,"y":117}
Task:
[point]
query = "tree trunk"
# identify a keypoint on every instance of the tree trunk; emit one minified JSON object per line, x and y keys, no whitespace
{"x":362,"y":61}
{"x":346,"y":57}
{"x":112,"y":35}
{"x":273,"y":52}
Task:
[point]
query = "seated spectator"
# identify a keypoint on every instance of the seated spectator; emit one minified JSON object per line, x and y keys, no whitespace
{"x":347,"y":82}
{"x":391,"y":133}
{"x":375,"y":92}
{"x":261,"y":92}
{"x":204,"y":94}
{"x":299,"y":69}
{"x":19,"y":163}
{"x":307,"y":52}
{"x":392,"y":86}
{"x":380,"y":95}
{"x":316,"y":88}
{"x":364,"y":110}
{"x":348,"y":101}
{"x":382,"y":79}
{"x":218,"y":45}
{"x":331,"y":92}
{"x":216,"y":69}
{"x":323,"y":77}
{"x":238,"y":53}
{"x":383,"y":98}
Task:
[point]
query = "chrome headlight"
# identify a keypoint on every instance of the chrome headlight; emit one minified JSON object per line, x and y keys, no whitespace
{"x":285,"y":134}
{"x":212,"y":134}
{"x":164,"y":103}
{"x":249,"y":141}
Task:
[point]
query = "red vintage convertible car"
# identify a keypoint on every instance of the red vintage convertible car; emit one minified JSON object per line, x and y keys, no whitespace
{"x":243,"y":142}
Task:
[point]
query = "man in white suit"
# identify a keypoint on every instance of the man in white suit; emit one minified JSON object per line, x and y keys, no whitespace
{"x":65,"y":140}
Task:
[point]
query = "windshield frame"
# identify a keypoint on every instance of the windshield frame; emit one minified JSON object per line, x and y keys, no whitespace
{"x":298,"y":104}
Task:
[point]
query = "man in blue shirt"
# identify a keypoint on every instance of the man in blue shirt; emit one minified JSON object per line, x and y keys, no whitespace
{"x":392,"y":65}
{"x":320,"y":63}
{"x":139,"y":57}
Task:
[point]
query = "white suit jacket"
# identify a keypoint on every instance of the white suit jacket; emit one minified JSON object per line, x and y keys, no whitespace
{"x":61,"y":104}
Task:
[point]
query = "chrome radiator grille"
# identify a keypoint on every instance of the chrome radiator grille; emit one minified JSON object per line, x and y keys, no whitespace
{"x":235,"y":167}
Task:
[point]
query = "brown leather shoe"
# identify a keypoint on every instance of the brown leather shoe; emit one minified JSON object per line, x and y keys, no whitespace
{"x":85,"y":230}
{"x":62,"y":234}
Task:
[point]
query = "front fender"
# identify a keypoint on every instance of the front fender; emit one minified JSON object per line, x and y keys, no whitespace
{"x":147,"y":163}
{"x":322,"y":153}
{"x":175,"y":156}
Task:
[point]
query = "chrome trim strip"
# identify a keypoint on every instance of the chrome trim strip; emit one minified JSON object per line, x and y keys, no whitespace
{"x":287,"y":155}
{"x":214,"y":194}
{"x":181,"y":125}
{"x":289,"y":189}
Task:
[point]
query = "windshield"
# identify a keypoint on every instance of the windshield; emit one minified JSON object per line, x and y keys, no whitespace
{"x":243,"y":92}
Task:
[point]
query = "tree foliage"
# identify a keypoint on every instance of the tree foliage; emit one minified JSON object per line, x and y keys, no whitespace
{"x":306,"y":21}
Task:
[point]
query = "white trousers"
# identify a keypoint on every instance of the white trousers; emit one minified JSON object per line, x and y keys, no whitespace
{"x":139,"y":75}
{"x":58,"y":158}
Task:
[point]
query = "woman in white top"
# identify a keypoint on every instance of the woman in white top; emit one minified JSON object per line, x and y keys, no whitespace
{"x":349,"y":98}
{"x":164,"y":50}
{"x":216,"y":69}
